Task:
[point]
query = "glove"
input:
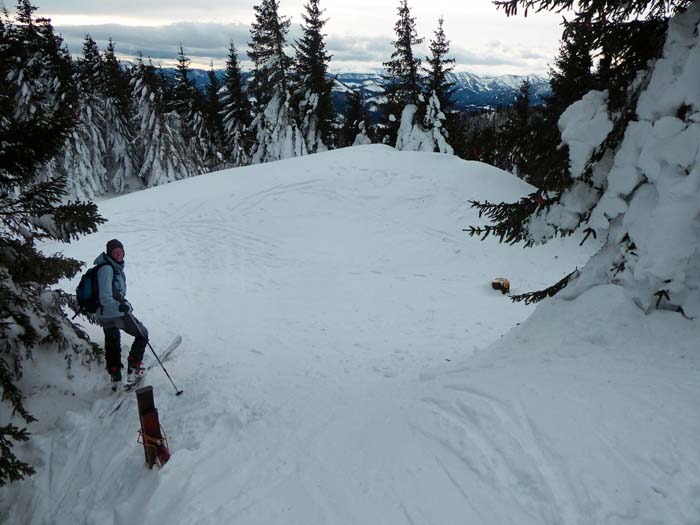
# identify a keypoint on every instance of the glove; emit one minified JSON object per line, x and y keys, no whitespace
{"x":125,"y":307}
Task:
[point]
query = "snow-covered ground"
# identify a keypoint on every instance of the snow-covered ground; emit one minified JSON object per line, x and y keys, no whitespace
{"x":345,"y":360}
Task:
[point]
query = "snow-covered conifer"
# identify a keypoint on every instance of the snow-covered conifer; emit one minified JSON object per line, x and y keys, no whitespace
{"x":186,"y":102}
{"x":277,"y":136}
{"x":632,"y":178}
{"x":214,"y":122}
{"x":271,"y":65}
{"x":235,"y":113}
{"x":354,"y":123}
{"x":515,"y":136}
{"x":120,"y":162}
{"x":402,"y":82}
{"x":426,"y":136}
{"x":439,"y":68}
{"x":163,"y":154}
{"x":82,"y":160}
{"x":276,"y":133}
{"x":37,"y":112}
{"x":314,"y":89}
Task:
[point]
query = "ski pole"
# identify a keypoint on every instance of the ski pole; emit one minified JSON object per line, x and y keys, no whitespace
{"x":138,"y":327}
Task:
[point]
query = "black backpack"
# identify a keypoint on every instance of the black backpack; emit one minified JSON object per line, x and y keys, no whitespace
{"x":88,"y":291}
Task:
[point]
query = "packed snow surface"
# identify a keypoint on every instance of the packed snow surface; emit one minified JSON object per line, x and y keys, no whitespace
{"x":345,"y":360}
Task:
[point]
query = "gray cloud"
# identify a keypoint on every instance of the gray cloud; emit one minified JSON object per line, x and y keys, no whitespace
{"x":119,"y":7}
{"x":203,"y":42}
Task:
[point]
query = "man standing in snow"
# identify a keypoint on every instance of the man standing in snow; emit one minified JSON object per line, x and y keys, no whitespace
{"x":114,"y":314}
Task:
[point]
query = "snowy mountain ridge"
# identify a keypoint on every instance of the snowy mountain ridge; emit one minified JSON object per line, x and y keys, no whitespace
{"x":471,"y":90}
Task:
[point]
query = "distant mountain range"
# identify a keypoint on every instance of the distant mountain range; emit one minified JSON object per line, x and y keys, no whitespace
{"x":471,"y":91}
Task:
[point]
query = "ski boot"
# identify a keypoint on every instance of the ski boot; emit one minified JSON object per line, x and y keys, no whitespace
{"x":115,"y":377}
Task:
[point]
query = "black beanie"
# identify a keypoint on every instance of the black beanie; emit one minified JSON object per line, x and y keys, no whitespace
{"x":111,"y":245}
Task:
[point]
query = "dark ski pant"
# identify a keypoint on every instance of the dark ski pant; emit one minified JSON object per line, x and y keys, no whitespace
{"x":113,"y":349}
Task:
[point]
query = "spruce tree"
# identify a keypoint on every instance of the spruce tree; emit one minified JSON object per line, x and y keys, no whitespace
{"x":439,"y":120}
{"x":89,"y":68}
{"x":355,"y":116}
{"x":439,"y":68}
{"x":629,"y":36}
{"x":82,"y":160}
{"x":37,"y":112}
{"x":277,"y":135}
{"x":163,"y":155}
{"x":402,"y":83}
{"x":212,"y":115}
{"x":184,"y":95}
{"x":235,"y":112}
{"x":116,"y":79}
{"x":514,"y":139}
{"x":572,"y":75}
{"x":187,"y":102}
{"x":315,"y":105}
{"x":119,"y":133}
{"x":271,"y":65}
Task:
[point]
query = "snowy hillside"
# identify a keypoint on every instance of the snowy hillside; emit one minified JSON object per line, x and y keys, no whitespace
{"x":346,"y":361}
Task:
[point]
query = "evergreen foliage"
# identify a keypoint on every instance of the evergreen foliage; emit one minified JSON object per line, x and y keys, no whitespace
{"x":627,"y":35}
{"x":572,"y":75}
{"x":439,"y":120}
{"x":402,"y":82}
{"x":570,"y":79}
{"x":82,"y":161}
{"x":89,"y":68}
{"x":163,"y":155}
{"x":120,"y":162}
{"x":439,"y":67}
{"x":597,"y":10}
{"x":184,"y":97}
{"x":315,"y":106}
{"x":235,"y":113}
{"x":277,"y":135}
{"x":37,"y":112}
{"x":187,"y":102}
{"x":515,"y":137}
{"x":116,"y":80}
{"x":354,"y":123}
{"x":212,"y":115}
{"x":271,"y":65}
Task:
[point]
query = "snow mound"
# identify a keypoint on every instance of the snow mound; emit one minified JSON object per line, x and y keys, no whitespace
{"x":311,"y":294}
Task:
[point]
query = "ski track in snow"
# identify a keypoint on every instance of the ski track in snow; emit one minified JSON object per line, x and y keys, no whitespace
{"x":331,"y":308}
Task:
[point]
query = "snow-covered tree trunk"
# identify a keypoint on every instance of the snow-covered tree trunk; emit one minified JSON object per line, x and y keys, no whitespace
{"x":277,"y":135}
{"x":82,"y":159}
{"x":120,"y":162}
{"x":361,"y":139}
{"x":164,"y":156}
{"x":413,"y":136}
{"x":309,"y":123}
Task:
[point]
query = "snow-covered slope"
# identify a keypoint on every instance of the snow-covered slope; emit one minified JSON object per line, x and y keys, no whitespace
{"x":345,"y":362}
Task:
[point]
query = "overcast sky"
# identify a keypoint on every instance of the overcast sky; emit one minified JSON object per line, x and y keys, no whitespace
{"x":360,"y":32}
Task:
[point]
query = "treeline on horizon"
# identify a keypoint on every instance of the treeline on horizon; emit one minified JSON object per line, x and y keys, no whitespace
{"x":138,"y":127}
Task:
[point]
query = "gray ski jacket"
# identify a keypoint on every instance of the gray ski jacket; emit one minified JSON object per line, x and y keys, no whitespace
{"x":112,"y":284}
